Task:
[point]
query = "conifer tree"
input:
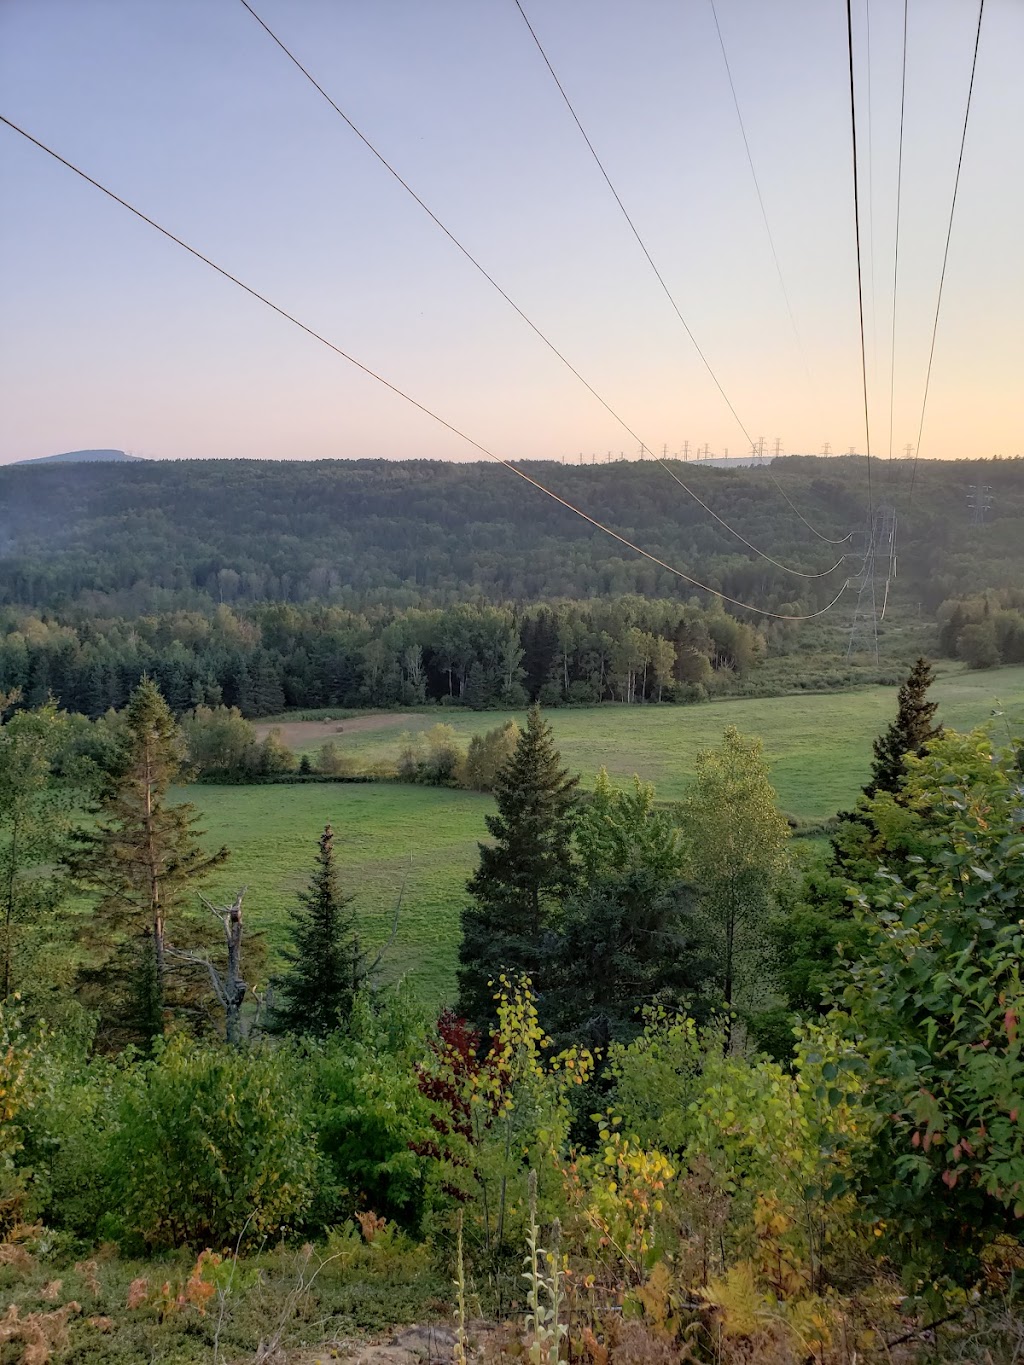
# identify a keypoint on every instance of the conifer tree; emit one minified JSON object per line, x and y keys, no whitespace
{"x":908,"y":734}
{"x":142,"y":857}
{"x":527,"y":870}
{"x":317,"y":993}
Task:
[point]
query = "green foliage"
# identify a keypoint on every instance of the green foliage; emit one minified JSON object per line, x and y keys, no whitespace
{"x":487,"y":755}
{"x":909,"y":733}
{"x":212,"y":1145}
{"x":934,"y":1003}
{"x":369,"y":1114}
{"x":735,"y":853}
{"x":317,"y":992}
{"x":618,"y":832}
{"x":68,"y":1134}
{"x":219,"y":741}
{"x":434,"y":758}
{"x":500,"y":1111}
{"x":141,"y":858}
{"x":767,"y":1136}
{"x":524,"y":874}
{"x":35,"y":819}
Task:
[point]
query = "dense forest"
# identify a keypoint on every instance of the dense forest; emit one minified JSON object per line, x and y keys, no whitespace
{"x":274,"y":656}
{"x":128,"y":540}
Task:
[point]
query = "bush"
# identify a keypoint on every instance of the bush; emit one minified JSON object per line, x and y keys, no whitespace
{"x":487,"y":755}
{"x":67,"y":1136}
{"x":368,"y":1114}
{"x":433,"y":758}
{"x":331,"y":761}
{"x":212,"y":1144}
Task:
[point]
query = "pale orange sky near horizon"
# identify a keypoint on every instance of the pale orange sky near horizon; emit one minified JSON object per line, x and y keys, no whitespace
{"x":111,"y":336}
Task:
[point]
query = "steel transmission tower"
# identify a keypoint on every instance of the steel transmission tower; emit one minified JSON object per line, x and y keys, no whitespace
{"x":979,"y":500}
{"x":876,"y":575}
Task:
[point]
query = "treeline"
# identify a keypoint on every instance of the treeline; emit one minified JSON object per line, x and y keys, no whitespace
{"x":984,"y":630}
{"x":131,"y":539}
{"x":625,"y":649}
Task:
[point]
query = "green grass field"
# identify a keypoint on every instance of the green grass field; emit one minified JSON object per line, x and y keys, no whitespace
{"x":819,"y":749}
{"x":818,"y":745}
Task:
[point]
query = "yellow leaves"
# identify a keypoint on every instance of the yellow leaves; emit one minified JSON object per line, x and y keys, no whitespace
{"x":741,"y":1305}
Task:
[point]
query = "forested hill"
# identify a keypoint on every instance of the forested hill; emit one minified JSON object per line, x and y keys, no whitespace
{"x":414,"y":531}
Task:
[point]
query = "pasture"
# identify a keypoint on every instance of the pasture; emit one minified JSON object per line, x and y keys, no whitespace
{"x":818,"y":746}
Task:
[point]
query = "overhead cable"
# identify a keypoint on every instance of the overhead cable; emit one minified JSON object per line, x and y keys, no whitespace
{"x":860,"y":271}
{"x":896,"y":246}
{"x":800,"y":573}
{"x":421,"y":407}
{"x":650,"y":260}
{"x":945,"y":254}
{"x":757,"y":190}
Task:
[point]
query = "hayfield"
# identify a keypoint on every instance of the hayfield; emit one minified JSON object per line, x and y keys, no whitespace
{"x":818,"y":745}
{"x":389,"y":835}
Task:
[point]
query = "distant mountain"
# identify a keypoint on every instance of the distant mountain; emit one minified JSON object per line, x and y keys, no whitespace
{"x":84,"y":457}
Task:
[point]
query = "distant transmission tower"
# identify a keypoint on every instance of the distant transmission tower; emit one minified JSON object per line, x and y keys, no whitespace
{"x":826,"y":448}
{"x":876,"y":575}
{"x":979,"y":500}
{"x":778,"y":446}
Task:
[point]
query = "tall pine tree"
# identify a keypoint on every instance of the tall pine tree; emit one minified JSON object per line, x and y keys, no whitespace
{"x":527,"y":870}
{"x":142,"y":858}
{"x":316,"y":994}
{"x":908,"y":734}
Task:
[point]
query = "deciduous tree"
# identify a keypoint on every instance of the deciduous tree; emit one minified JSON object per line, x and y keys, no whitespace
{"x":735,"y":841}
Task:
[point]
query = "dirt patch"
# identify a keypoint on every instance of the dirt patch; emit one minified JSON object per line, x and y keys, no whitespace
{"x":306,"y":734}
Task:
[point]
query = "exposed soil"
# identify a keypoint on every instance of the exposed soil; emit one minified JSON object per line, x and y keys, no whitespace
{"x":304,"y":734}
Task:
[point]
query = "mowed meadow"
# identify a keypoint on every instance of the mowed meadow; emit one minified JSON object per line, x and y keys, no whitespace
{"x":419,"y":844}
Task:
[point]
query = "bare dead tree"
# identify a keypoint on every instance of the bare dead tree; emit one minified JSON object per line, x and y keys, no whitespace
{"x":229,"y":987}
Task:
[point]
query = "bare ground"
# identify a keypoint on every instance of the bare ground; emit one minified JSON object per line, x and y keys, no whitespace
{"x":304,"y":734}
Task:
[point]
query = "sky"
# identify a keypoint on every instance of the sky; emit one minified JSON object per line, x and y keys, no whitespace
{"x":111,"y":336}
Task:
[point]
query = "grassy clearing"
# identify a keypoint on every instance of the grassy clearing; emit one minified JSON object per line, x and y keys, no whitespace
{"x":386,"y":834}
{"x":818,"y":746}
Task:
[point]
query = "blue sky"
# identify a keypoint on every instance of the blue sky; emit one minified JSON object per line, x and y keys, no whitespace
{"x":111,"y":336}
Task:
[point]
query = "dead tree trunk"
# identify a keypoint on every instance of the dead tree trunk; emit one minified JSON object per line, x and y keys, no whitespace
{"x":230,"y":988}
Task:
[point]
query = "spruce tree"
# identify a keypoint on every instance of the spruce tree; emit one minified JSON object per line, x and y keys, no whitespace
{"x":142,"y":858}
{"x":908,"y":734}
{"x":527,"y":870}
{"x":317,"y":993}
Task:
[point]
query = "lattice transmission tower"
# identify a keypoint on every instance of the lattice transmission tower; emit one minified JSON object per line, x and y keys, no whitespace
{"x":876,"y":575}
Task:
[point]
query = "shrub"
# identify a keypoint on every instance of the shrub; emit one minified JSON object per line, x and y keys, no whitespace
{"x":433,"y":758}
{"x":487,"y":755}
{"x":369,"y":1114}
{"x":212,"y":1143}
{"x":67,"y":1136}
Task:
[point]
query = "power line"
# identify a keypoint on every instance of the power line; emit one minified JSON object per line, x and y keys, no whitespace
{"x":860,"y":272}
{"x":786,"y":568}
{"x":945,"y":254}
{"x":650,"y":261}
{"x":632,"y":226}
{"x":896,"y":248}
{"x":421,"y":407}
{"x":757,"y":188}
